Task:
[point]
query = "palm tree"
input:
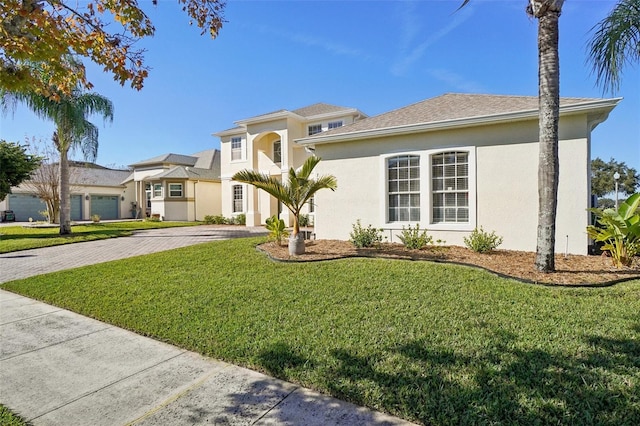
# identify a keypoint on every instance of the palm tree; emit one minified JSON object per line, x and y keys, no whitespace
{"x":73,"y":130}
{"x":615,"y":43}
{"x":547,"y":12}
{"x":293,"y":194}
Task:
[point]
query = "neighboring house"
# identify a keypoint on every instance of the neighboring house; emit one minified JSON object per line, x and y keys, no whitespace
{"x":266,"y":143}
{"x":94,"y":190}
{"x":177,"y":187}
{"x":454,"y":163}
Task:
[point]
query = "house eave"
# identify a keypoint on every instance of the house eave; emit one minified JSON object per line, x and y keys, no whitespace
{"x":603,"y":105}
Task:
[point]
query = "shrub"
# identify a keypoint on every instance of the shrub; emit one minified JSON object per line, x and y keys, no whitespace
{"x":154,"y":218}
{"x":215,"y":220}
{"x":277,"y":229}
{"x":303,"y":220}
{"x":241,"y":219}
{"x":619,"y":231}
{"x":95,"y":218}
{"x":481,"y":241}
{"x":365,"y":237}
{"x":414,"y":239}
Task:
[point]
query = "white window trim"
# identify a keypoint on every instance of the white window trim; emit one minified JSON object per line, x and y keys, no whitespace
{"x":233,"y":200}
{"x":426,"y":195}
{"x":314,"y":125}
{"x":243,"y":149}
{"x":181,"y":190}
{"x":153,"y":191}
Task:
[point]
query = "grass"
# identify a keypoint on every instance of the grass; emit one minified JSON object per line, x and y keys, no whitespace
{"x":432,"y":343}
{"x":15,"y":238}
{"x":8,"y":418}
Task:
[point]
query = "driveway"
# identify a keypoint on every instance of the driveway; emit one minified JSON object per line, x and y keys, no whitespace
{"x":27,"y":263}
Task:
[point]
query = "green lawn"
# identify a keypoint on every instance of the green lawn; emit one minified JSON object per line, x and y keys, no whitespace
{"x":14,"y":238}
{"x":432,"y":343}
{"x":8,"y":418}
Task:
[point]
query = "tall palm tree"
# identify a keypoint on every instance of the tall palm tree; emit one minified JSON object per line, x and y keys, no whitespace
{"x":547,"y":12}
{"x":73,"y":131}
{"x":615,"y":43}
{"x":293,"y":193}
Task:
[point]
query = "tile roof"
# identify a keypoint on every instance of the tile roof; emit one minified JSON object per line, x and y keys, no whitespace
{"x":450,"y":106}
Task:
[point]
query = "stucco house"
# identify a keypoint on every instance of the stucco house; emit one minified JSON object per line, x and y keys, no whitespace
{"x":450,"y":163}
{"x":456,"y":162}
{"x":266,"y":143}
{"x":94,"y":190}
{"x":177,"y":187}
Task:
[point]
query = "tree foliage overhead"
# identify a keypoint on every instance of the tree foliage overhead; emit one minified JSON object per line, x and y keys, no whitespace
{"x":615,"y":43}
{"x":602,"y":181}
{"x":48,"y":32}
{"x":16,"y":166}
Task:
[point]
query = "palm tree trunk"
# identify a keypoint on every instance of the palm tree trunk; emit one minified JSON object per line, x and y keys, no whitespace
{"x":65,"y":197}
{"x":549,"y":105}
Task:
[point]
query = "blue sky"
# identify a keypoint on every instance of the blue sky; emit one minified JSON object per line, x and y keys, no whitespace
{"x":372,"y":55}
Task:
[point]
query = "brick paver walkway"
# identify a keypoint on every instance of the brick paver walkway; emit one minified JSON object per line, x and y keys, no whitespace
{"x":27,"y":263}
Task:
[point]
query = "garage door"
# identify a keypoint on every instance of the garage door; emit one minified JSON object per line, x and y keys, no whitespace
{"x":76,"y":207}
{"x":26,"y":206}
{"x":106,"y":206}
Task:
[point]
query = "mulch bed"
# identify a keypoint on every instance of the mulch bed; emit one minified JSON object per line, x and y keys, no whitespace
{"x":572,"y":270}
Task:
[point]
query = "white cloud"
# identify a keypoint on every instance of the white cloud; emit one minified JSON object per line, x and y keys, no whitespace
{"x":456,"y":81}
{"x":409,"y":56}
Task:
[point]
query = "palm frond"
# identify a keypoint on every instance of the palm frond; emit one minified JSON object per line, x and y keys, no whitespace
{"x":615,"y":43}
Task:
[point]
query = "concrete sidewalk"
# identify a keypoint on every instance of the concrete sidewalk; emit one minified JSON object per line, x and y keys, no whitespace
{"x":61,"y":368}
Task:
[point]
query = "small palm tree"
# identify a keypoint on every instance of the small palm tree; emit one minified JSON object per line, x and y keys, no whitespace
{"x":293,"y":194}
{"x":69,"y":113}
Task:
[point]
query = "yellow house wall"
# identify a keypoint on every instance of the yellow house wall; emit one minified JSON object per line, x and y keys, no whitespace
{"x":505,"y":159}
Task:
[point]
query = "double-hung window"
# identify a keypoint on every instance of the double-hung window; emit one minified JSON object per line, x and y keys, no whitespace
{"x":238,"y":203}
{"x":236,"y":148}
{"x":315,"y":128}
{"x":403,"y":188}
{"x":450,"y":187}
{"x":335,"y":124}
{"x":157,"y":190}
{"x":175,"y":190}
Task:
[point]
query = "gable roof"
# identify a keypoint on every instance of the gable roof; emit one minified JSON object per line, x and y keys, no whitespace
{"x":450,"y":109}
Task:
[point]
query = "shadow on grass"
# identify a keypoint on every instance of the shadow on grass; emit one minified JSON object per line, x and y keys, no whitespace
{"x":503,"y":385}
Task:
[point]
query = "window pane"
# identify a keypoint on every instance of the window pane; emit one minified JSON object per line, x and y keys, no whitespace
{"x":403,"y":215}
{"x":393,"y":186}
{"x":404,"y":200}
{"x":393,"y":200}
{"x":415,"y":214}
{"x":449,"y":215}
{"x":462,"y":184}
{"x":403,"y":186}
{"x":463,"y":199}
{"x":438,"y":200}
{"x":414,"y":186}
{"x":415,"y":200}
{"x":450,"y":184}
{"x":438,"y":215}
{"x":438,"y":185}
{"x":463,"y":215}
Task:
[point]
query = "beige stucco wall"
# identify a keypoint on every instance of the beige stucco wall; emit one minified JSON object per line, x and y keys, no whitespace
{"x":503,"y":195}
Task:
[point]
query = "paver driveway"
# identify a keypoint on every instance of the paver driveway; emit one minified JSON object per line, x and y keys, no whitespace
{"x":27,"y":263}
